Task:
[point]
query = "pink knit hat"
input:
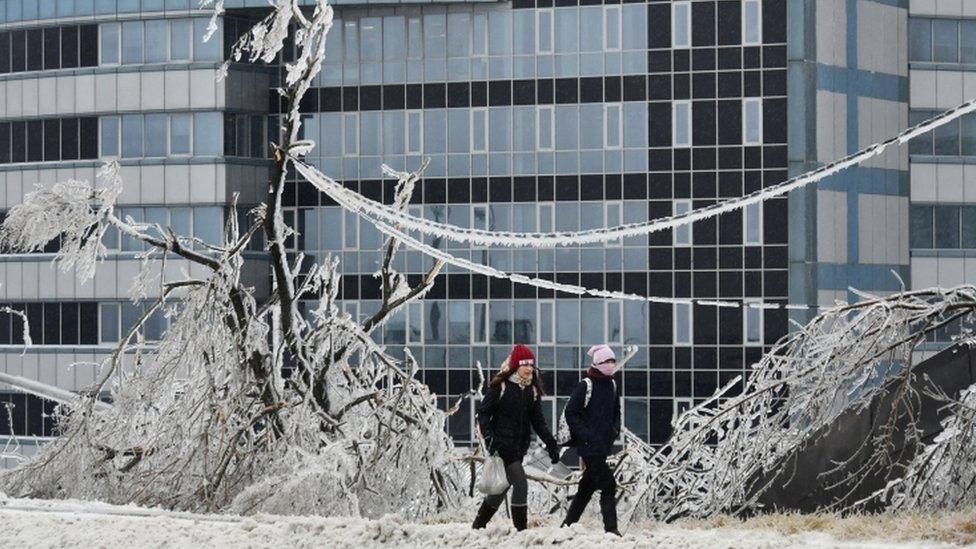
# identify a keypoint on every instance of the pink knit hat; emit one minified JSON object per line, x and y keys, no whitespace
{"x":601,"y":353}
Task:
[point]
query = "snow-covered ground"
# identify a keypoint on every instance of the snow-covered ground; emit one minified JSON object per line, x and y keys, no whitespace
{"x":39,"y":523}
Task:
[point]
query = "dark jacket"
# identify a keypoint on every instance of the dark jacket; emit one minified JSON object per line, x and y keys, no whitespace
{"x":506,"y":419}
{"x":594,"y":427}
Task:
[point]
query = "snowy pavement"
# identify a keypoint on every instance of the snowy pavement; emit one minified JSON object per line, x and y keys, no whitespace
{"x":38,"y":523}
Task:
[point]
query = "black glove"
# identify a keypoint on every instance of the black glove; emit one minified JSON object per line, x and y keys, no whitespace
{"x":554,"y":453}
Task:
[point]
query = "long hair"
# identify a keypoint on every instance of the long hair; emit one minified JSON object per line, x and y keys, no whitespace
{"x":506,"y":371}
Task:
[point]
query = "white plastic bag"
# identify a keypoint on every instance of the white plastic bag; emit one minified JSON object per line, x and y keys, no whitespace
{"x":493,"y":480}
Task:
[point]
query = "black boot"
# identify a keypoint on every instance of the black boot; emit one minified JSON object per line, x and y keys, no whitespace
{"x":520,"y":516}
{"x":485,"y":512}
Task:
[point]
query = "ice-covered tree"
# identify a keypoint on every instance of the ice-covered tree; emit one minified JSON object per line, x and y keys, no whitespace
{"x":246,"y":402}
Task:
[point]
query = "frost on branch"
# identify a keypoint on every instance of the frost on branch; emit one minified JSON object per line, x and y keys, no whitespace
{"x":75,"y":211}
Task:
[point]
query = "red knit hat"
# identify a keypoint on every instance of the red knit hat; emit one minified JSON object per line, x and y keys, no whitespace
{"x":520,"y":355}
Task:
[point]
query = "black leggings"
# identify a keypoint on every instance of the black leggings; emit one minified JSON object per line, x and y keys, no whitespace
{"x":516,"y":479}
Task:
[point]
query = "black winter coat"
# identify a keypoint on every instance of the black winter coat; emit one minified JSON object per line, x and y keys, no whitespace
{"x":506,"y":419}
{"x":594,"y":427}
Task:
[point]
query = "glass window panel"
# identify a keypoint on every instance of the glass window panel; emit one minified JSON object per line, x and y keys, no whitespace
{"x":132,"y":136}
{"x":611,"y":31}
{"x":108,"y":322}
{"x":524,"y":321}
{"x":967,"y":41}
{"x":69,"y":139}
{"x":156,"y":135}
{"x":968,"y":227}
{"x":593,"y":323}
{"x":545,"y":125}
{"x":458,"y":131}
{"x":613,"y":125}
{"x":434,"y":322}
{"x":919,"y":39}
{"x":682,"y":233}
{"x":394,"y":36}
{"x":922,"y":234}
{"x":523,"y":31}
{"x":479,"y":320}
{"x":566,"y":30}
{"x":207,"y":130}
{"x":591,"y":127}
{"x":180,"y":39}
{"x":350,"y":32}
{"x":415,"y":322}
{"x":752,"y":121}
{"x":947,"y":139}
{"x":500,"y":322}
{"x":109,"y":38}
{"x":415,"y":38}
{"x":945,"y":41}
{"x":459,"y":320}
{"x":751,"y":22}
{"x":179,"y":133}
{"x":479,"y":130}
{"x":181,"y":220}
{"x":681,"y":24}
{"x":479,"y":34}
{"x":156,"y":41}
{"x":567,"y":127}
{"x":968,"y":130}
{"x":752,"y":316}
{"x":752,"y":224}
{"x":209,"y":50}
{"x":923,"y":143}
{"x":682,"y":323}
{"x":500,"y":32}
{"x":371,"y":39}
{"x":544,"y":31}
{"x":592,"y":39}
{"x":132,"y":42}
{"x":458,"y":35}
{"x":681,"y":117}
{"x":567,"y":321}
{"x":350,"y":124}
{"x":371,"y":136}
{"x":208,"y":224}
{"x":415,"y":132}
{"x":500,"y":129}
{"x":947,"y":227}
{"x":332,"y":239}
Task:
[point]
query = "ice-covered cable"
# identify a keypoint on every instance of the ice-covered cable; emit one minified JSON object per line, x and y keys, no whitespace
{"x":479,"y":268}
{"x":481,"y":237}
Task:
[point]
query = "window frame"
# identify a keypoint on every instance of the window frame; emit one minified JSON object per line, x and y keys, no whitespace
{"x":746,"y":101}
{"x":608,"y":131}
{"x":686,"y":120}
{"x":675,"y":6}
{"x":552,"y":128}
{"x":747,"y":306}
{"x":691,"y":325}
{"x":759,"y":30}
{"x":346,"y":118}
{"x":475,"y":303}
{"x":118,"y":44}
{"x":606,"y":25}
{"x":406,"y":131}
{"x":483,"y":111}
{"x":551,"y":303}
{"x":539,"y":50}
{"x":747,"y":218}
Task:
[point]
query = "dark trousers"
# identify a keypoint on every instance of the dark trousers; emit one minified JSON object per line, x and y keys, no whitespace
{"x":596,"y":476}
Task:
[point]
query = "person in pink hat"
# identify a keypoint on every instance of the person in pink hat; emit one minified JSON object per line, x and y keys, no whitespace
{"x":593,"y":417}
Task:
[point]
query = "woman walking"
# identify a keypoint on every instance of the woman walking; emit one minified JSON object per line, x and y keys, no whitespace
{"x":511,"y":408}
{"x":593,"y":417}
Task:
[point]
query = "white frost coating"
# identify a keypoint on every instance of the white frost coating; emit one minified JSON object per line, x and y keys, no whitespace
{"x":481,"y":237}
{"x":73,"y":210}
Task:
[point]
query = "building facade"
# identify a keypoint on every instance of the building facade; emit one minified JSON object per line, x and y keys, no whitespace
{"x":536,"y":115}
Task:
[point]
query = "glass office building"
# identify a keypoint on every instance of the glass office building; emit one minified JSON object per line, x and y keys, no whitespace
{"x":536,"y":115}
